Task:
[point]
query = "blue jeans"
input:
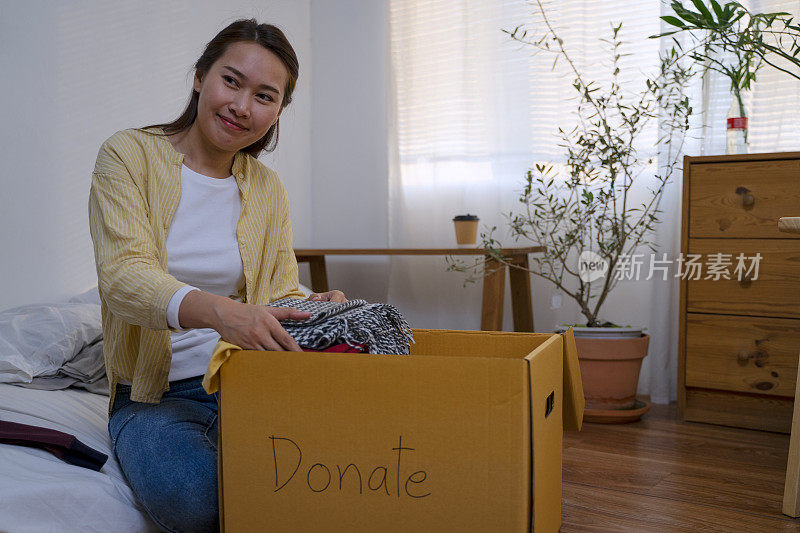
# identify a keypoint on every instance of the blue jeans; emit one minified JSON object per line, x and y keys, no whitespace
{"x":168,"y":453}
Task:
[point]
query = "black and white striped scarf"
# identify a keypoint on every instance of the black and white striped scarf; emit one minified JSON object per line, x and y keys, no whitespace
{"x":380,"y":328}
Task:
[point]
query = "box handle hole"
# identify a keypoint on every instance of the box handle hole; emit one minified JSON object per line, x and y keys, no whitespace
{"x":550,"y":404}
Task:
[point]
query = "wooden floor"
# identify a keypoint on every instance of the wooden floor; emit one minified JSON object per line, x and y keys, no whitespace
{"x":663,"y":475}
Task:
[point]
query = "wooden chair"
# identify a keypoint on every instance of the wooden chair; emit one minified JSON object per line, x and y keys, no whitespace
{"x":791,"y":490}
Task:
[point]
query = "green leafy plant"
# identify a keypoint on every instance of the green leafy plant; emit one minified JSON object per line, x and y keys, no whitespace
{"x":735,"y":42}
{"x":590,"y":206}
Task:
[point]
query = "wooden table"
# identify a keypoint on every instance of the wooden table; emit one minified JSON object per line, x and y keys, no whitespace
{"x":791,"y":489}
{"x":493,"y":282}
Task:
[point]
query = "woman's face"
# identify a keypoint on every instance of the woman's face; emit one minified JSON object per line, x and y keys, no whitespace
{"x":240,"y":96}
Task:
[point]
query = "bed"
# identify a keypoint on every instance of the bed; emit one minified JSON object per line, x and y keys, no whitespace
{"x":39,"y":492}
{"x":58,"y":346}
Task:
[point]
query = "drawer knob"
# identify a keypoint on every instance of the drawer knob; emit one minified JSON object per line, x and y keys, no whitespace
{"x":743,"y":357}
{"x":759,"y":357}
{"x":748,"y":200}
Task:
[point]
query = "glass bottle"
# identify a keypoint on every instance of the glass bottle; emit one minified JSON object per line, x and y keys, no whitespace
{"x":737,"y":127}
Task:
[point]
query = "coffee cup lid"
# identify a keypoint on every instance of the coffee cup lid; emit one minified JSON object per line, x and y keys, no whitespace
{"x":460,"y":218}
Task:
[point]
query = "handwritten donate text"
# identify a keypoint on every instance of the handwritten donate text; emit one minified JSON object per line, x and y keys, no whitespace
{"x":320,"y":477}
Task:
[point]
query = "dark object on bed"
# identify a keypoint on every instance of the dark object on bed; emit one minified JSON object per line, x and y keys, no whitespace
{"x":63,"y":445}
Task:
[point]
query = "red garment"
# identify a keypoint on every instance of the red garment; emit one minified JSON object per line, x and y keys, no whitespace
{"x":339,"y":348}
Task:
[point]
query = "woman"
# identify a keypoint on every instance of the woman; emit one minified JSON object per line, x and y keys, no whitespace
{"x":192,"y":240}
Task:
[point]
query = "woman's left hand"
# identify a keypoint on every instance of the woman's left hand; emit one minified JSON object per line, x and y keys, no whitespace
{"x":330,"y":296}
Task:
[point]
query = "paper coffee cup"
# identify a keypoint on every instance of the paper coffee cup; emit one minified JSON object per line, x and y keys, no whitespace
{"x":466,"y":229}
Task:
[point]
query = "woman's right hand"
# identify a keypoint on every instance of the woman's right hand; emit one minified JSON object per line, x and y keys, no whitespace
{"x":256,"y":327}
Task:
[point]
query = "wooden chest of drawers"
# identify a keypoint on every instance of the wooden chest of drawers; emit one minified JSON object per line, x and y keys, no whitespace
{"x":740,"y":337}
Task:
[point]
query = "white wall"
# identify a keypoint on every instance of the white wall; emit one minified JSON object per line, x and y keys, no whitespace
{"x":349,"y":140}
{"x":76,"y":72}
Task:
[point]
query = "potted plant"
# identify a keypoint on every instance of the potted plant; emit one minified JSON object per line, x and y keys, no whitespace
{"x":585,"y":215}
{"x":731,"y":40}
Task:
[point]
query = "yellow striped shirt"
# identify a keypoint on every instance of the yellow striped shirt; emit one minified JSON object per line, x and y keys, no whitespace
{"x":136,"y":187}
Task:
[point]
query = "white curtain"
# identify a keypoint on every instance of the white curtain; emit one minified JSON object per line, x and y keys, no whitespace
{"x":473,"y":111}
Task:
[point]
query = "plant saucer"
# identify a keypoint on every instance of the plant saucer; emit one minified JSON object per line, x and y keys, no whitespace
{"x":617,"y":416}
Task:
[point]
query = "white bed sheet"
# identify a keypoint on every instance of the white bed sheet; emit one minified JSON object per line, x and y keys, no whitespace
{"x":41,"y":493}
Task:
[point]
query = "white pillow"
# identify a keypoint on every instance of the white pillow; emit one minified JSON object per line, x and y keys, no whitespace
{"x":36,"y":340}
{"x":92,"y":296}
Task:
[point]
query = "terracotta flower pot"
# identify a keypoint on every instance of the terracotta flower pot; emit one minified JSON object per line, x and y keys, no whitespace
{"x":610,"y":370}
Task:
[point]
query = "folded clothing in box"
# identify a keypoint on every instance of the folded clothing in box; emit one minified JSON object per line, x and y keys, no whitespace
{"x":378,"y":327}
{"x":361,"y":326}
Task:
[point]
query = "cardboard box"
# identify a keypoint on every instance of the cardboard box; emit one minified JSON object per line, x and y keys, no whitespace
{"x":465,"y":434}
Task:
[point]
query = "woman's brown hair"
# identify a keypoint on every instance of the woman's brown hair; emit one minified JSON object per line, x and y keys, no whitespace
{"x":245,"y":30}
